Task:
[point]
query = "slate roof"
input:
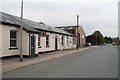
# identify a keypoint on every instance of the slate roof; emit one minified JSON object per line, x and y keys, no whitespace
{"x":68,"y":27}
{"x":30,"y":25}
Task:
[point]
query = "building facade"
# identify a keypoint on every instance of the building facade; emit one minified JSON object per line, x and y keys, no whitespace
{"x":36,"y":37}
{"x":77,"y":31}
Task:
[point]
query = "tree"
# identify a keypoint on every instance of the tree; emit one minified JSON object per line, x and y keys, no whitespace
{"x":108,"y":40}
{"x":95,"y":39}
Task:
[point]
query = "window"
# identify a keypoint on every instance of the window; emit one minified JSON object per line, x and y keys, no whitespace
{"x":39,"y":40}
{"x":13,"y":38}
{"x":67,"y":41}
{"x":47,"y":40}
{"x":74,"y":41}
{"x":62,"y":40}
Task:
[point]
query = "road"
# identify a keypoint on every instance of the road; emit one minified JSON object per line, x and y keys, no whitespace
{"x":96,"y":62}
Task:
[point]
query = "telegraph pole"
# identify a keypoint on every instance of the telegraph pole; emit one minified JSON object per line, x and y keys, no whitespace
{"x":77,"y":31}
{"x":21,"y":54}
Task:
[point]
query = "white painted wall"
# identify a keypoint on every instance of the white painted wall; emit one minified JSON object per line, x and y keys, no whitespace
{"x":65,"y":46}
{"x":59,"y":42}
{"x":6,"y":41}
{"x":52,"y":43}
{"x":25,"y":42}
{"x":69,"y":44}
{"x":43,"y":43}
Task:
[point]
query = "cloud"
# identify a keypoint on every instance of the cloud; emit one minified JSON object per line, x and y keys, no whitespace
{"x":94,"y":15}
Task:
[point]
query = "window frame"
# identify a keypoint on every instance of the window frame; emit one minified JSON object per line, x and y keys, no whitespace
{"x":39,"y":40}
{"x":74,"y":40}
{"x":62,"y":40}
{"x":14,"y":46}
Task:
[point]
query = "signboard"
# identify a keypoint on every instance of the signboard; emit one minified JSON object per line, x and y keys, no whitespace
{"x":43,"y":34}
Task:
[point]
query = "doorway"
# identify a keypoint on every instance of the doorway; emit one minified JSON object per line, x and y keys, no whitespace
{"x":55,"y":43}
{"x":32,"y":45}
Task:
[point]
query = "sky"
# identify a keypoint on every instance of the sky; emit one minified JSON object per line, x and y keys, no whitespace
{"x":94,"y":15}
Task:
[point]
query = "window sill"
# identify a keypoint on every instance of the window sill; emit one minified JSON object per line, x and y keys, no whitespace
{"x":39,"y":46}
{"x":47,"y":46}
{"x":13,"y":48}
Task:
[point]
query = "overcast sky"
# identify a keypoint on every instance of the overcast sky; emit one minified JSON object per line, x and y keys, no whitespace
{"x":94,"y":15}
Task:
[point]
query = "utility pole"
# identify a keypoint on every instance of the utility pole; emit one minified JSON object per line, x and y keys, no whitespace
{"x":77,"y":31}
{"x":21,"y":55}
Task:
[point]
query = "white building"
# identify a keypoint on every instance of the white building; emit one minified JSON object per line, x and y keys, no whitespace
{"x":77,"y":31}
{"x":36,"y":38}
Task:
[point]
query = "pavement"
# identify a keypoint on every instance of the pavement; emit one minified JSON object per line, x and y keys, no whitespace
{"x":14,"y":63}
{"x":91,"y":62}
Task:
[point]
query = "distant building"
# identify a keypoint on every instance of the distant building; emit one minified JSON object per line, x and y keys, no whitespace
{"x":73,"y":30}
{"x":37,"y":37}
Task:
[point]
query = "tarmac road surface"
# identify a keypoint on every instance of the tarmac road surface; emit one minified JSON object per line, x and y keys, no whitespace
{"x":96,"y":62}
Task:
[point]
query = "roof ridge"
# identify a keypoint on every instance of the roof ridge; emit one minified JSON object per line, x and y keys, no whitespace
{"x":30,"y":24}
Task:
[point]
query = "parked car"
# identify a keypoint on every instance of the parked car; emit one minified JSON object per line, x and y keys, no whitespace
{"x":113,"y":43}
{"x":105,"y":43}
{"x":88,"y":44}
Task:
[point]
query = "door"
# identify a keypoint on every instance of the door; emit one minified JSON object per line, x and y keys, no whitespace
{"x":32,"y":46}
{"x":55,"y":43}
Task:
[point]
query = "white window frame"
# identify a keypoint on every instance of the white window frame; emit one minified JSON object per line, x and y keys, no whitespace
{"x":62,"y":40}
{"x":74,"y":41}
{"x":15,"y":39}
{"x":39,"y":40}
